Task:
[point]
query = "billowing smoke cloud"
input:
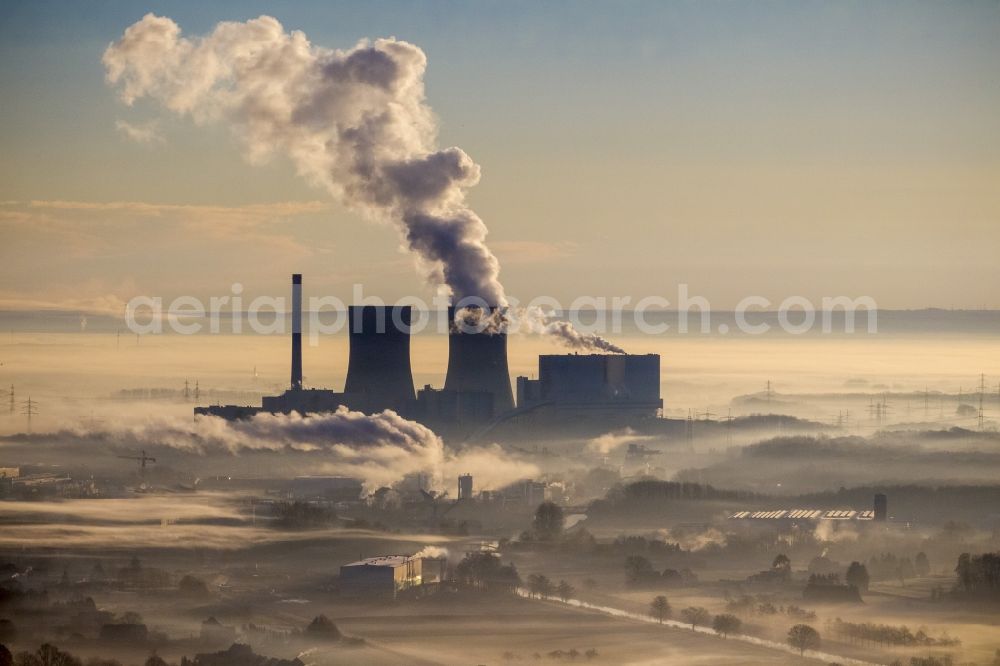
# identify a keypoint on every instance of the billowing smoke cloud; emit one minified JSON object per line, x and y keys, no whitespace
{"x":380,"y":449}
{"x":354,"y":122}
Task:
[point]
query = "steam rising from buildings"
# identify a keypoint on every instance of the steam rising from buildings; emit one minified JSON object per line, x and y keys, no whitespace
{"x":567,"y":335}
{"x":535,"y":320}
{"x":354,"y":122}
{"x":432,"y":551}
{"x":610,"y":442}
{"x":835,"y":532}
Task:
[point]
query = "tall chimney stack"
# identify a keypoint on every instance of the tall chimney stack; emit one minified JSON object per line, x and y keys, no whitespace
{"x":296,"y":331}
{"x":478,"y":362}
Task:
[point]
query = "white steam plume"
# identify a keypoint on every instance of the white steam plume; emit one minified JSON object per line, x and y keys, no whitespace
{"x":380,"y":449}
{"x":614,"y":440}
{"x":433,"y":551}
{"x":354,"y":122}
{"x":564,"y":333}
{"x":827,"y":531}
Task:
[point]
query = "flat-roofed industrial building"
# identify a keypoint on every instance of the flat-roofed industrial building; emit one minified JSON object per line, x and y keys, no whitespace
{"x":388,"y":575}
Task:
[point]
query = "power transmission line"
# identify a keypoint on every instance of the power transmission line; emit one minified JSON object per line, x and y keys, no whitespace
{"x":982,"y":391}
{"x":29,"y":409}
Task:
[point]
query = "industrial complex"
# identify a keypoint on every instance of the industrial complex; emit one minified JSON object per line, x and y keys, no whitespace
{"x":477,"y":389}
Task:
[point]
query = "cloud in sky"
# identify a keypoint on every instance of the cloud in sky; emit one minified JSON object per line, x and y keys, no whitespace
{"x":533,"y":252}
{"x":148,"y":133}
{"x":109,"y":252}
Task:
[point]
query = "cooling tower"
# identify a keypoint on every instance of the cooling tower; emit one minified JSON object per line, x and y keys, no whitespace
{"x":478,"y":362}
{"x":379,"y":363}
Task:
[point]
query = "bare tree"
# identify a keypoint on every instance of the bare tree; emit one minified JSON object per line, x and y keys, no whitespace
{"x":726,"y":624}
{"x":660,"y":608}
{"x":695,"y":616}
{"x":802,"y":637}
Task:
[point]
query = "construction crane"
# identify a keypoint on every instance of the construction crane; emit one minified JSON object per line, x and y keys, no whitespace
{"x":142,"y":459}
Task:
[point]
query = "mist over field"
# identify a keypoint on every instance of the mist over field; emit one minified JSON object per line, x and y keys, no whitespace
{"x":812,"y":439}
{"x":436,"y":334}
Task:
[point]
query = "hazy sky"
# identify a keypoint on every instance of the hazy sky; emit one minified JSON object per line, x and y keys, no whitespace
{"x":771,"y":148}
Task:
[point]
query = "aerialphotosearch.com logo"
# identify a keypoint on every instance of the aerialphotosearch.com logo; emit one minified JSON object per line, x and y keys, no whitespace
{"x":588,"y":315}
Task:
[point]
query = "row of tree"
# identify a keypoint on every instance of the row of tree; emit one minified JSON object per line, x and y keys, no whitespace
{"x":889,"y":567}
{"x":748,"y":605}
{"x":484,"y":571}
{"x":871,"y":633}
{"x":802,"y":637}
{"x":829,"y":588}
{"x":639,"y":572}
{"x":572,"y":655}
{"x":979,"y":575}
{"x":540,"y":586}
{"x":724,"y":624}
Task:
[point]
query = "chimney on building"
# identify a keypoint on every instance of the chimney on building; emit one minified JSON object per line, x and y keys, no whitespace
{"x":881,"y":507}
{"x":465,"y":486}
{"x":296,"y":331}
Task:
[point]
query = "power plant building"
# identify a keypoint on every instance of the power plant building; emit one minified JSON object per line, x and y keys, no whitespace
{"x":622,"y":384}
{"x":477,"y":390}
{"x":444,"y":406}
{"x":465,"y":486}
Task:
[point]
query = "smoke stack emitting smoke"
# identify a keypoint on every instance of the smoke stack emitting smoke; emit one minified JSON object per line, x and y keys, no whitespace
{"x":354,"y":122}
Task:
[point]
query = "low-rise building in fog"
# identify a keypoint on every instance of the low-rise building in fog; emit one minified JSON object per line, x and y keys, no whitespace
{"x":388,"y":575}
{"x":878,"y":512}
